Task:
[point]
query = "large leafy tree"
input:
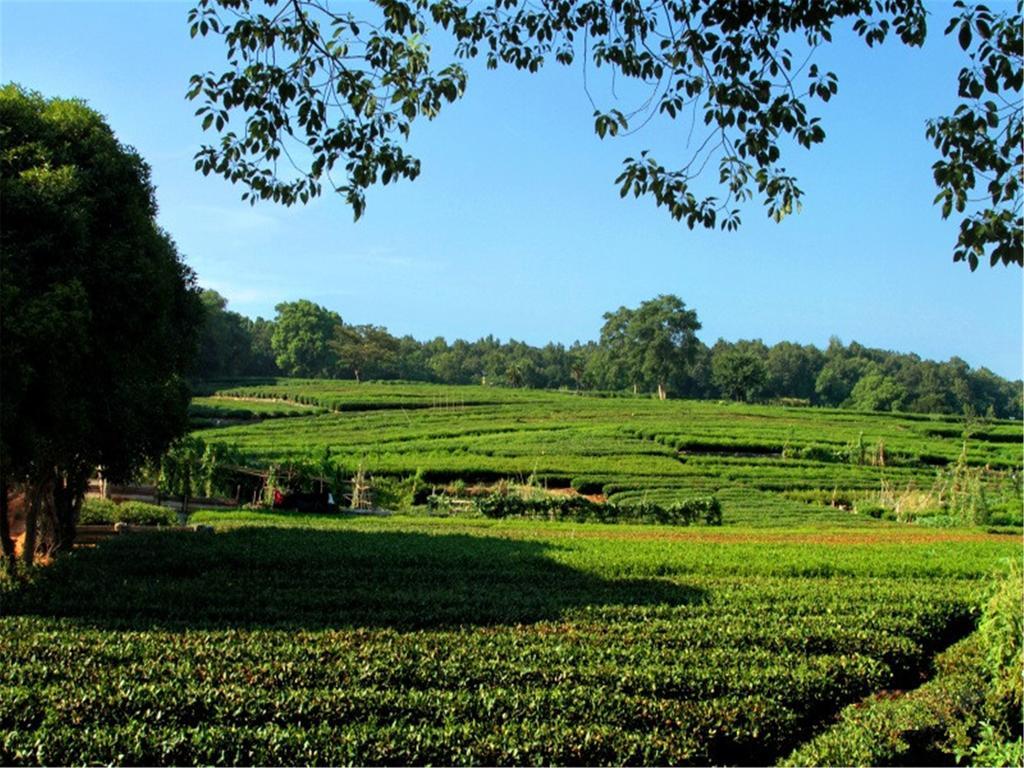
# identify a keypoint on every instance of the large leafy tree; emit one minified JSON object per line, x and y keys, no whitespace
{"x":302,"y":336}
{"x":322,"y":98}
{"x":838,"y":377}
{"x":739,"y":370}
{"x":877,"y":392}
{"x":654,"y":343}
{"x":226,"y":343}
{"x":231,"y":344}
{"x":365,"y":351}
{"x":793,"y":369}
{"x":98,"y":315}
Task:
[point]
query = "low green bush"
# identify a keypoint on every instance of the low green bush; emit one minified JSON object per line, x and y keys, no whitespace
{"x":1001,"y":631}
{"x":107,"y":512}
{"x":937,"y":521}
{"x":706,"y":510}
{"x":98,"y":512}
{"x":818,"y":453}
{"x":1006,"y":518}
{"x":970,"y":710}
{"x":906,"y":729}
{"x":140,"y":513}
{"x":870,"y":510}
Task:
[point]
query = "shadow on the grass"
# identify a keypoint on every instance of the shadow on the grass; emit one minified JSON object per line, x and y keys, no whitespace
{"x":305,"y":578}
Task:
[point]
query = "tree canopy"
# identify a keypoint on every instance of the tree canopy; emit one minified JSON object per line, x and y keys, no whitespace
{"x":231,"y":344}
{"x":365,"y":351}
{"x":98,"y":315}
{"x":639,"y":346}
{"x":739,"y":370}
{"x":654,"y":344}
{"x":325,"y":98}
{"x":302,"y":338}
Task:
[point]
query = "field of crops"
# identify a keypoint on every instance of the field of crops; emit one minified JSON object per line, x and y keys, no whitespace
{"x":788,"y":634}
{"x":283,"y":639}
{"x":768,"y":465}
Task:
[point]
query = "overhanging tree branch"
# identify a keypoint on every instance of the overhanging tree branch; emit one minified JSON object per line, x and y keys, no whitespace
{"x":722,"y":61}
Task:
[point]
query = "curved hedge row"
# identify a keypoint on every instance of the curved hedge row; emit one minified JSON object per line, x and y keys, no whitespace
{"x":703,"y":510}
{"x":970,"y":709}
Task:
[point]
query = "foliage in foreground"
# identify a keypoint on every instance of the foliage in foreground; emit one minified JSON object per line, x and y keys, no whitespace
{"x":972,"y":708}
{"x":745,"y":73}
{"x":470,"y":641}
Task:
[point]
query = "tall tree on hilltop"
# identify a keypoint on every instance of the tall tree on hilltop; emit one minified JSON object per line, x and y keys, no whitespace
{"x":655,"y":343}
{"x":739,"y":370}
{"x":302,"y":337}
{"x":226,"y":342}
{"x":793,"y":369}
{"x":365,"y":351}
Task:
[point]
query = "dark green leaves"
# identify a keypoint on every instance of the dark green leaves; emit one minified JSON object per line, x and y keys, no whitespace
{"x":609,"y":124}
{"x":324,"y":98}
{"x":979,"y":174}
{"x":327,"y":99}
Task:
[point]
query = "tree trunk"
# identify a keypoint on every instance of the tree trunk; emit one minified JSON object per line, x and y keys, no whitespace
{"x":635,"y":389}
{"x":356,"y":372}
{"x":6,"y":542}
{"x":662,"y":394}
{"x":186,"y":491}
{"x":33,"y":493}
{"x":68,"y":490}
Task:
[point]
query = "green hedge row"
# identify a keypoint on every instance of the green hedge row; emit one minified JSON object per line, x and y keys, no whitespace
{"x":106,"y":512}
{"x":706,"y":510}
{"x":197,"y":412}
{"x":971,"y":709}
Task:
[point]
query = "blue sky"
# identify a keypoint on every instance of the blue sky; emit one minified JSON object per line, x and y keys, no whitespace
{"x":515,"y":227}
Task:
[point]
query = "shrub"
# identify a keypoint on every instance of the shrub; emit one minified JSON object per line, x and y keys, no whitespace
{"x":818,"y":453}
{"x":98,"y":512}
{"x":107,"y":512}
{"x":707,"y":510}
{"x":937,"y":521}
{"x":439,"y":504}
{"x":871,"y":510}
{"x":971,"y":708}
{"x":498,"y":505}
{"x":1001,"y":630}
{"x":140,"y":513}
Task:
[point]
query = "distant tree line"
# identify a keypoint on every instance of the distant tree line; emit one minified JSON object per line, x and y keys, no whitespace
{"x":650,"y":349}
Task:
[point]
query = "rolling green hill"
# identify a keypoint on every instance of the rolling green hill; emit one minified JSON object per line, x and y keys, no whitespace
{"x":767,"y":464}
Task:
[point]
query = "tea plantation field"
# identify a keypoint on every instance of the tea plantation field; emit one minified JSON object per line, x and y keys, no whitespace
{"x":836,"y":617}
{"x":284,"y":639}
{"x":768,"y":465}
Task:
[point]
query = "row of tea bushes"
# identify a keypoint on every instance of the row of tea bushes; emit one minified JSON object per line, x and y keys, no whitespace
{"x":399,"y":640}
{"x":972,"y":708}
{"x":703,"y":510}
{"x":107,"y":512}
